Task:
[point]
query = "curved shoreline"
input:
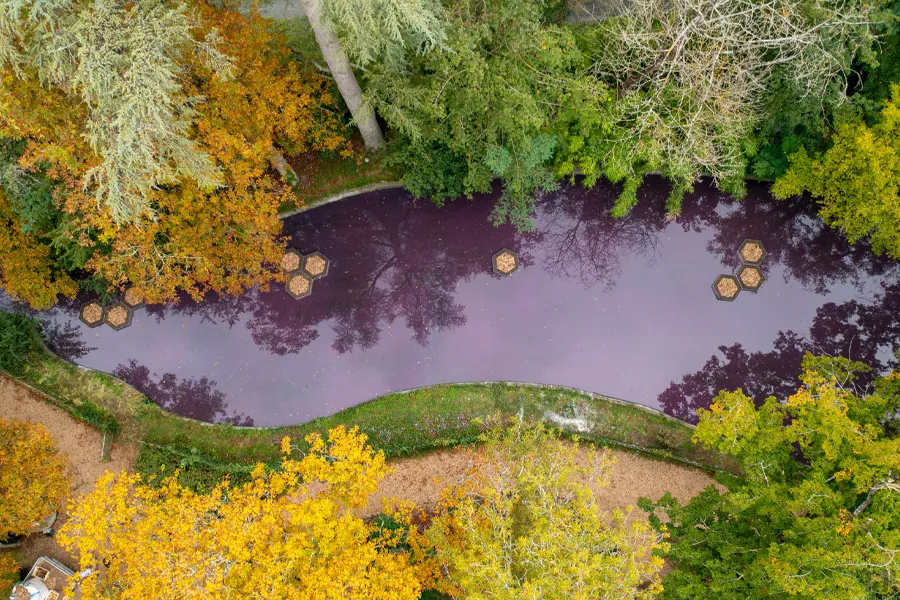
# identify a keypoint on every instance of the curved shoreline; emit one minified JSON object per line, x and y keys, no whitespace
{"x":372,"y":187}
{"x":405,"y":423}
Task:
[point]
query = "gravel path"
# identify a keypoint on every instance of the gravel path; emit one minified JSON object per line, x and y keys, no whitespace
{"x":81,"y":443}
{"x":420,"y":479}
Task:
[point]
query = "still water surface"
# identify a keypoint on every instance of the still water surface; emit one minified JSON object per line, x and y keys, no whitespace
{"x":620,"y":307}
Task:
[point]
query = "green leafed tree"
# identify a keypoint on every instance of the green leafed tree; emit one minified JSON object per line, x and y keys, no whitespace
{"x":816,"y":512}
{"x":529,"y":527}
{"x":857,"y":180}
{"x":692,"y":78}
{"x":365,"y":31}
{"x":481,"y":104}
{"x":124,"y":61}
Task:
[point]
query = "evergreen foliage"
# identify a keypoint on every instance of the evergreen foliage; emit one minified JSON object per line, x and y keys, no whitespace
{"x":486,"y":98}
{"x":20,"y":341}
{"x":382,"y":30}
{"x":123,"y":61}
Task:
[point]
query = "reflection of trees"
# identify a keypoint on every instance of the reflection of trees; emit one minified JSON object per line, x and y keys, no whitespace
{"x":195,"y":398}
{"x":390,"y":260}
{"x":865,"y":332}
{"x":810,"y":252}
{"x":62,"y":336}
{"x":580,"y":240}
{"x":64,"y":339}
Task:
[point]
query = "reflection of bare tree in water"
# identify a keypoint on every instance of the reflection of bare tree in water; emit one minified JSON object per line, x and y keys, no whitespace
{"x":390,"y":261}
{"x":580,"y":240}
{"x":195,"y":398}
{"x":810,"y":252}
{"x":867,"y":332}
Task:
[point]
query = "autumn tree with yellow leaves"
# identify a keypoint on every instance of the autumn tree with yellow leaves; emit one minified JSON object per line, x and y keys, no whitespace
{"x":528,"y":527}
{"x":288,"y":533}
{"x":33,"y":477}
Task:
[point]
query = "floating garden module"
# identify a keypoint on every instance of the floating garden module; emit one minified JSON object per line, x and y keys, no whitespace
{"x":291,"y":261}
{"x":751,"y":277}
{"x":752,"y":252}
{"x":132,"y":298}
{"x":315,"y":265}
{"x":118,"y":316}
{"x":299,"y":286}
{"x":726,"y":287}
{"x":91,"y":313}
{"x":506,"y":262}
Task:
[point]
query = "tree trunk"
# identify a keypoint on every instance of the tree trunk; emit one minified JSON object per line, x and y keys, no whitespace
{"x":343,"y":75}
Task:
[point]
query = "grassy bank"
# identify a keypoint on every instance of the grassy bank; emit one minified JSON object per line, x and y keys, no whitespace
{"x":400,"y":424}
{"x":323,"y":175}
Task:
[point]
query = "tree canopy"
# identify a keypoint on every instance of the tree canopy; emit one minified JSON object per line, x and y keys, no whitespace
{"x":857,"y":180}
{"x":33,"y":477}
{"x":289,"y":532}
{"x":192,"y":237}
{"x":815,"y":514}
{"x":527,"y":526}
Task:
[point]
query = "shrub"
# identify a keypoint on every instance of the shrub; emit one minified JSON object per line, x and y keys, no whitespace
{"x":20,"y":340}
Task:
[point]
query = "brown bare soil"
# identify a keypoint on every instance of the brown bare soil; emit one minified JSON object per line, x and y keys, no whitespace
{"x":421,"y":479}
{"x":81,"y":443}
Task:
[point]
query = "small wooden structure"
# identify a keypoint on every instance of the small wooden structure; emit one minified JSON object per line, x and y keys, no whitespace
{"x":47,"y":580}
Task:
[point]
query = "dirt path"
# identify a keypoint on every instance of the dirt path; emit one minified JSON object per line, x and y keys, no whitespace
{"x":421,"y":479}
{"x":81,"y":443}
{"x":418,"y":479}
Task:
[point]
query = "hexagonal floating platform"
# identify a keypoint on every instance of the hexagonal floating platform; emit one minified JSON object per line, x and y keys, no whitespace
{"x":750,"y":277}
{"x":315,"y":265}
{"x":299,"y":285}
{"x":291,"y":261}
{"x":751,"y":252}
{"x":91,"y":313}
{"x":505,"y":262}
{"x":726,"y":287}
{"x":133,"y":299}
{"x":118,"y":316}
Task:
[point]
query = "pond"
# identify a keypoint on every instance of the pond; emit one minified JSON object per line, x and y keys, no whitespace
{"x":622,"y":307}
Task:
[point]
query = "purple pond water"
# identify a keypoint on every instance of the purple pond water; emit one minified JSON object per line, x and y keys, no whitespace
{"x":620,"y":307}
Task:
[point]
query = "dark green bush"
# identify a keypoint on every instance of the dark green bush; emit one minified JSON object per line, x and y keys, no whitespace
{"x":20,"y":341}
{"x":430,"y":170}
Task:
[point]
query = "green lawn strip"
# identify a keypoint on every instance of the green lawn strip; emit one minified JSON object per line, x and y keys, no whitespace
{"x":325,"y":175}
{"x":400,"y":424}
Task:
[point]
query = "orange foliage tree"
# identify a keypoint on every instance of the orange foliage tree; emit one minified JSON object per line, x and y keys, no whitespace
{"x":27,"y":271}
{"x":33,"y":476}
{"x":228,"y":239}
{"x":195,"y":240}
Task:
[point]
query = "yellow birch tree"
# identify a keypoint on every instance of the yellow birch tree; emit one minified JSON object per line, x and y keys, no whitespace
{"x":288,"y":533}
